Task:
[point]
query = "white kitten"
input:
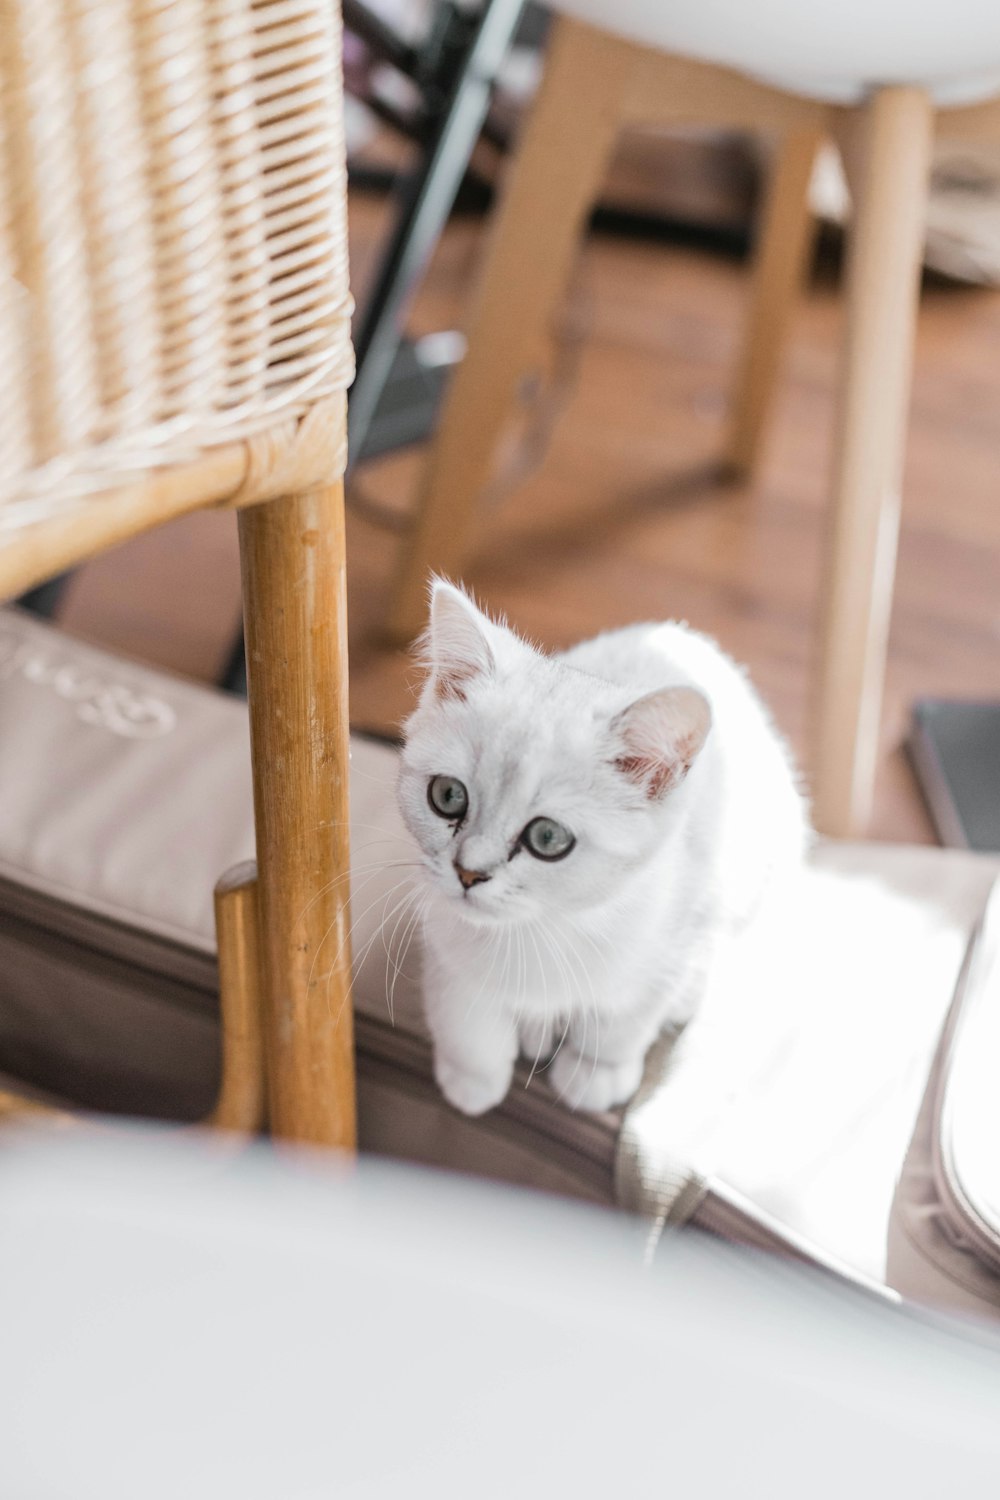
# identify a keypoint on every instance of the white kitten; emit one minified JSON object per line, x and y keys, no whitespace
{"x":593,"y":825}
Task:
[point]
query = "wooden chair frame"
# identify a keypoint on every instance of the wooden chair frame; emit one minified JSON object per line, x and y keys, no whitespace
{"x":564,"y":150}
{"x":284,"y":950}
{"x":175,"y":322}
{"x":241,"y":1102}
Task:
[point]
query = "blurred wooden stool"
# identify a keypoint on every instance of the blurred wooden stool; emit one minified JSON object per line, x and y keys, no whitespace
{"x":880,"y":80}
{"x":175,"y":333}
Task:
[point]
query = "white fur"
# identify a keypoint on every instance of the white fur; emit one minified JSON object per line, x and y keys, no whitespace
{"x":651,"y":747}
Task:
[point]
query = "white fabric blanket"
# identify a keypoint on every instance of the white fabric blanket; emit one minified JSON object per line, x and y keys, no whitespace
{"x":799,"y":1082}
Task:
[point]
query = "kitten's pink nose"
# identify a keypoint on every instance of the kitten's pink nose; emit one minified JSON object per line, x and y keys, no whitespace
{"x":470,"y":877}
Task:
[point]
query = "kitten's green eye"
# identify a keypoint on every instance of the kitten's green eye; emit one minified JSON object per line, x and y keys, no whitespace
{"x":547,"y":839}
{"x":448,"y":797}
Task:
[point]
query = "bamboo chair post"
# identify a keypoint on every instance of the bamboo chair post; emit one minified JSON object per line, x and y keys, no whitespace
{"x":292,"y":554}
{"x":883,"y":291}
{"x":781,"y":258}
{"x":241,"y":1105}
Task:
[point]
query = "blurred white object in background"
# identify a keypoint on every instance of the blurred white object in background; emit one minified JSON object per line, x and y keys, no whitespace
{"x":180,"y":1321}
{"x":830,"y":51}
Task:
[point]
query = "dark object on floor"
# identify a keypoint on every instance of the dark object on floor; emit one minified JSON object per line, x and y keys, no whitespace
{"x":409,"y":400}
{"x":955,"y":749}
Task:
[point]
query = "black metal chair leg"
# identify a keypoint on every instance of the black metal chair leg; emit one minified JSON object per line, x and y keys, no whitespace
{"x":427,"y":199}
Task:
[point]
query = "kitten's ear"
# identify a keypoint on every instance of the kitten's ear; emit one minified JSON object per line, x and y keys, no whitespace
{"x":456,"y":646}
{"x":660,"y":735}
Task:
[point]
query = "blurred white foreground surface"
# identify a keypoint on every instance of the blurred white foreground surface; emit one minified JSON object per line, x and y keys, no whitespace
{"x":180,"y":1321}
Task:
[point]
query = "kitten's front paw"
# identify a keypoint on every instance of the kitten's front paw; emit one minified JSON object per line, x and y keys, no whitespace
{"x":582,"y":1083}
{"x":536,"y":1039}
{"x":473,"y":1093}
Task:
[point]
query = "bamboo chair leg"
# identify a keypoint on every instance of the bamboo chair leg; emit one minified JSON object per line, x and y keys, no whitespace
{"x":241,"y":1105}
{"x":785,"y":242}
{"x":552,"y":184}
{"x":16,"y":1109}
{"x":294,"y":599}
{"x":883,"y":292}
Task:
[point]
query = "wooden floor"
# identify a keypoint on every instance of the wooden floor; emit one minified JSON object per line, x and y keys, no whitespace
{"x":626,"y":517}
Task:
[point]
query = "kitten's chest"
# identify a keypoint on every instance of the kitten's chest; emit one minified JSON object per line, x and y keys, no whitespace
{"x":541,"y":973}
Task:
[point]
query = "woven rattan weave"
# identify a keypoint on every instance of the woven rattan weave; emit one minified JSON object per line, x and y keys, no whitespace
{"x":173,"y":249}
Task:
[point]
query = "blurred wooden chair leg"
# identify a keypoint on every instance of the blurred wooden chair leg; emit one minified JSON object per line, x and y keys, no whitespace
{"x":15,"y":1109}
{"x":552,"y":184}
{"x":295,"y":614}
{"x":242,"y":1104}
{"x":785,"y":240}
{"x":883,"y":292}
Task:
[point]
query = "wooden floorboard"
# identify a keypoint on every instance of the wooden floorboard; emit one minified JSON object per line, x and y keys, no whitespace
{"x":627,"y":517}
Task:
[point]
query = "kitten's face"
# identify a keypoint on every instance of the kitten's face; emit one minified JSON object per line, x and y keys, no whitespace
{"x":531,"y":789}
